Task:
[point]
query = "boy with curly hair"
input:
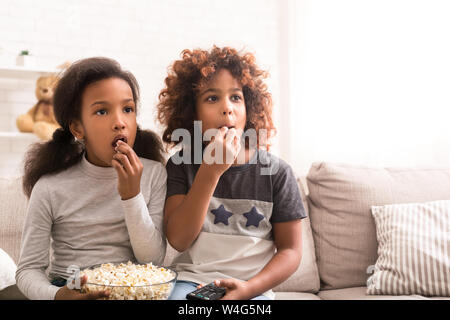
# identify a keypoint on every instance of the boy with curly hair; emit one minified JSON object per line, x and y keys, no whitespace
{"x":236,"y":218}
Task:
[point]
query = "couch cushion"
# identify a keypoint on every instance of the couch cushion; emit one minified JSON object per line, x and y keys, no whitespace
{"x":12,"y":293}
{"x":306,"y":277}
{"x":13,"y":209}
{"x":359,"y":293}
{"x":7,"y":270}
{"x":295,"y":296}
{"x":340,"y":199}
{"x":413,"y":249}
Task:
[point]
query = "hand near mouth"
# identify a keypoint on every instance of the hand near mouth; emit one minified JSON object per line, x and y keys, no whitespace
{"x":129,"y":170}
{"x":227,"y":143}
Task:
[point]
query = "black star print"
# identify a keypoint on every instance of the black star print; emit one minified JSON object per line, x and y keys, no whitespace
{"x":253,"y":217}
{"x":221,"y":215}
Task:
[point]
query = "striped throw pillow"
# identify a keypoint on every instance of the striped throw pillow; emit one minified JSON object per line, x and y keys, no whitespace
{"x":413,"y":249}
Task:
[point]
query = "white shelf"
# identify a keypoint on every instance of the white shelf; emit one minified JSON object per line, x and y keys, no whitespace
{"x":25,"y":72}
{"x":17,"y":140}
{"x":15,"y":134}
{"x":14,"y":144}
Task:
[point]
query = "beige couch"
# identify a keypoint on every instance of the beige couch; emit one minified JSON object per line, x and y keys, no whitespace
{"x":339,"y":237}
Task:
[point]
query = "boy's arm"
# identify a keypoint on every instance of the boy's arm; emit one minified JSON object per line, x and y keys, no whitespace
{"x":288,"y":241}
{"x":288,"y":210}
{"x":184,"y":214}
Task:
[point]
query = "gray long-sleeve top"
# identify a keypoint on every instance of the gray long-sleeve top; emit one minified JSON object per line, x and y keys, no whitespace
{"x":79,"y":213}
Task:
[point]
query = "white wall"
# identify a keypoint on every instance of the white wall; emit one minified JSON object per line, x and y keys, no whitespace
{"x":370,"y":82}
{"x":144,"y":36}
{"x":359,"y":81}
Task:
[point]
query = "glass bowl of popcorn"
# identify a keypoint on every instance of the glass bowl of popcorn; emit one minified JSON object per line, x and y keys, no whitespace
{"x":129,"y":281}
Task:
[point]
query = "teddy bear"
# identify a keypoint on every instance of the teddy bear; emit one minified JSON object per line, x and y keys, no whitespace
{"x":40,"y":119}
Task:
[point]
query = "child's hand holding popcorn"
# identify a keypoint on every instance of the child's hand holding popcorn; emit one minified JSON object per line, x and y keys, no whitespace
{"x":129,"y":170}
{"x":226,"y":140}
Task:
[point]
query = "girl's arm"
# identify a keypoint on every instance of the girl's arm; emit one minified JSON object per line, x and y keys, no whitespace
{"x":35,"y":246}
{"x":184,"y":215}
{"x":35,"y":250}
{"x":144,"y":222}
{"x":288,"y":241}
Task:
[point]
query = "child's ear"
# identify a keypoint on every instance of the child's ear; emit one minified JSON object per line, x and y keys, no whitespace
{"x":76,"y":129}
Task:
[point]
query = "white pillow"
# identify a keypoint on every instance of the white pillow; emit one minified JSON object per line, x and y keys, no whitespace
{"x":7,"y":270}
{"x":413,"y":249}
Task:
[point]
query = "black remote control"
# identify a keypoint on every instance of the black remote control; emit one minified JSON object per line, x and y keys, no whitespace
{"x":208,"y":292}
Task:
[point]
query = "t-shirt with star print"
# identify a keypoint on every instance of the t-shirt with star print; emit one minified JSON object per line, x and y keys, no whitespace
{"x":236,"y":239}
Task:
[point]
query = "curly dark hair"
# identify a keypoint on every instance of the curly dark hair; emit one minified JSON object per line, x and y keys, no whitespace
{"x":177,"y":101}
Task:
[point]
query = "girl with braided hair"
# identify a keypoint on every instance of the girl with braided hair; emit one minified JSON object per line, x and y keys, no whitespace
{"x":96,"y":189}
